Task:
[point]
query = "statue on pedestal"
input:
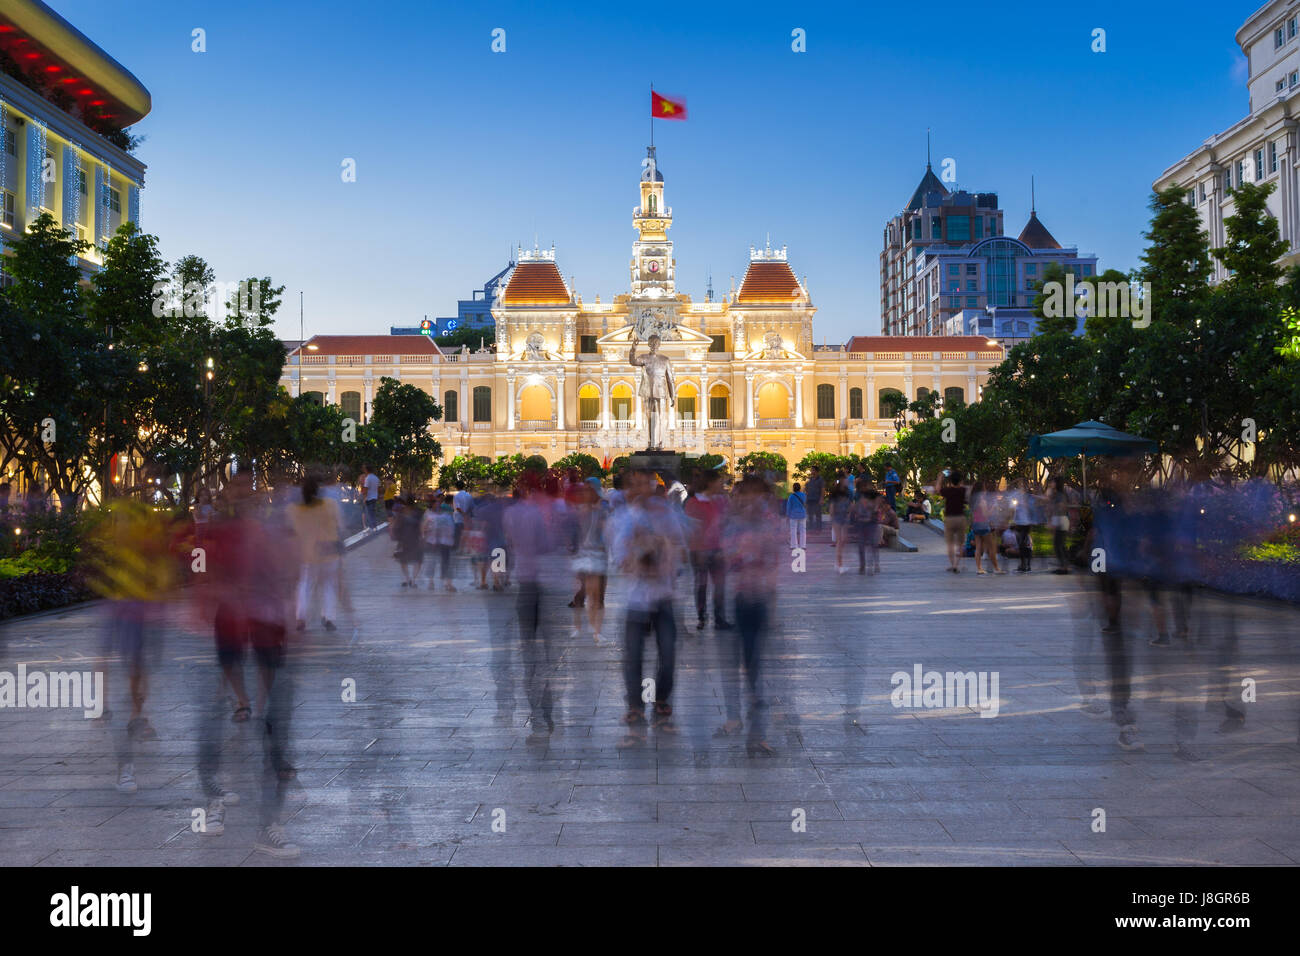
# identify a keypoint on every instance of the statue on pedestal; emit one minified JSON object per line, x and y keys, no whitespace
{"x":657,"y":386}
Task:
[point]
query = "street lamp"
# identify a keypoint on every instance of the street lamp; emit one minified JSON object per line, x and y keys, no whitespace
{"x":207,"y":420}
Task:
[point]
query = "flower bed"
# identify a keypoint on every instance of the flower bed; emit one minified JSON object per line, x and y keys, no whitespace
{"x":40,"y":591}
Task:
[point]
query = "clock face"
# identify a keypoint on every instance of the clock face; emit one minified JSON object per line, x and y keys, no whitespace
{"x":654,"y":266}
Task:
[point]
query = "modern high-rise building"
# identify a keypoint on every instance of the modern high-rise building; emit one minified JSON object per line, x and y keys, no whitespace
{"x":946,"y":257}
{"x":1262,"y":147}
{"x":65,"y":106}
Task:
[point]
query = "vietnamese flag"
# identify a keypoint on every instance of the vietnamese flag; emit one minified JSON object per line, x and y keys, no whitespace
{"x":663,"y":108}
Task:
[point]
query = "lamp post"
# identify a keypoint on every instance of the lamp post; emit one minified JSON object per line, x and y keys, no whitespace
{"x":302,"y":340}
{"x":207,"y":420}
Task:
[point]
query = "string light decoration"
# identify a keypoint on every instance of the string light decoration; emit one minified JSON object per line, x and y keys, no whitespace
{"x":4,"y":154}
{"x":36,"y":146}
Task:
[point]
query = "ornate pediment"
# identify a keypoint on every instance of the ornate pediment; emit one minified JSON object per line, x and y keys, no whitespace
{"x":773,"y":349}
{"x":672,"y":339}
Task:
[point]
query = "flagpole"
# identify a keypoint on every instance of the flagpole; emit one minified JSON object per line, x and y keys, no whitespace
{"x":652,"y":114}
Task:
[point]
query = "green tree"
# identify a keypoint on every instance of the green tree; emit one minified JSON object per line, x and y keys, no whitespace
{"x":470,"y":337}
{"x":588,"y":466}
{"x":1054,"y":278}
{"x":764,"y":461}
{"x":406,"y":412}
{"x":462,"y":468}
{"x":1177,"y":259}
{"x":57,"y":369}
{"x":1253,"y":244}
{"x":505,"y":471}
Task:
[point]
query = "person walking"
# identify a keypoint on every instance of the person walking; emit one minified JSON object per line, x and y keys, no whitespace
{"x":590,"y":562}
{"x":1022,"y":521}
{"x":840,"y":503}
{"x":893,"y":485}
{"x":438,"y":529}
{"x":707,"y":510}
{"x":983,"y":504}
{"x":864,"y":518}
{"x":462,"y":510}
{"x":529,"y":539}
{"x":247,"y":593}
{"x":796,"y":511}
{"x":370,"y":498}
{"x":752,"y":544}
{"x":316,"y":525}
{"x":1059,"y":505}
{"x":406,"y":533}
{"x":954,"y":495}
{"x":646,"y":545}
{"x":815,"y":490}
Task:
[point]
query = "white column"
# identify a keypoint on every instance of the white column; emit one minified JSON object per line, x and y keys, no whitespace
{"x":798,"y":401}
{"x":844,"y":399}
{"x":560,"y":417}
{"x":367,"y":392}
{"x":462,"y":398}
{"x":510,"y":401}
{"x":702,"y":413}
{"x":605,"y":402}
{"x":749,"y":398}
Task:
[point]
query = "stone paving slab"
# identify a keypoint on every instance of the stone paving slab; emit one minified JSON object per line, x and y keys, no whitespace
{"x":414,"y":772}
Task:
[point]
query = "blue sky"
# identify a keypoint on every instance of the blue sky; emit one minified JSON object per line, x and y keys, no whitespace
{"x":461,"y":153}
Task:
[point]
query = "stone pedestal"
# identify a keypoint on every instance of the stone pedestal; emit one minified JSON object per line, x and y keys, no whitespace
{"x":666,"y":463}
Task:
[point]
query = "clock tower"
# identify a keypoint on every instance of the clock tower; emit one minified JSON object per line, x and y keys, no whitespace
{"x":653,"y":266}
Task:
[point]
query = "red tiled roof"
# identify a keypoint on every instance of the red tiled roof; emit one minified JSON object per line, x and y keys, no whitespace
{"x":919,"y":343}
{"x":769,"y":282}
{"x":536,"y":283}
{"x":371,"y":345}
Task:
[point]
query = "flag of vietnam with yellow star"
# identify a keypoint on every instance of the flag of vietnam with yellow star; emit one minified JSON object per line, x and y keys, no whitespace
{"x":661,"y":107}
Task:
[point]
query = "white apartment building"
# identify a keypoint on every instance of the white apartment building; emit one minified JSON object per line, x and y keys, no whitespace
{"x":1262,"y":147}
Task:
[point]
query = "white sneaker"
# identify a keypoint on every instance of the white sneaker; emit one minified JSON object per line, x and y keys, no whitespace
{"x":126,"y":779}
{"x":273,"y":842}
{"x":214,"y":819}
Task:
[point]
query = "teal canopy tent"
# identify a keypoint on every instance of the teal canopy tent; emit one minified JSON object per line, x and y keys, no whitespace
{"x":1089,"y":438}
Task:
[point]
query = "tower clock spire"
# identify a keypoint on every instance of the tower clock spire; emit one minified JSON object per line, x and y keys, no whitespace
{"x":652,"y":252}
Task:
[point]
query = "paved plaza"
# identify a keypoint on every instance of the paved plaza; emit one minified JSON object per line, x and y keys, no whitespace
{"x":420,"y":767}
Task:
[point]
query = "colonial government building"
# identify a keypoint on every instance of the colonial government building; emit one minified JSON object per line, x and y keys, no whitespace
{"x":747,"y":374}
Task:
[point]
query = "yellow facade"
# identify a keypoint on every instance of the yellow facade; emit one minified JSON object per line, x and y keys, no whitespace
{"x":748,"y":376}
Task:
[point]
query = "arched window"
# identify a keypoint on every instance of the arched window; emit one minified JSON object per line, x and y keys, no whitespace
{"x":535,"y":404}
{"x":588,"y":403}
{"x":652,"y":204}
{"x":891,"y":402}
{"x":773,"y":402}
{"x":620,"y":402}
{"x":825,"y":401}
{"x":953,"y":395}
{"x":450,"y":411}
{"x":718,"y":410}
{"x":482,"y":403}
{"x":317,"y":397}
{"x":350,"y":403}
{"x":687,"y":397}
{"x":921,"y":393}
{"x":855,"y":403}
